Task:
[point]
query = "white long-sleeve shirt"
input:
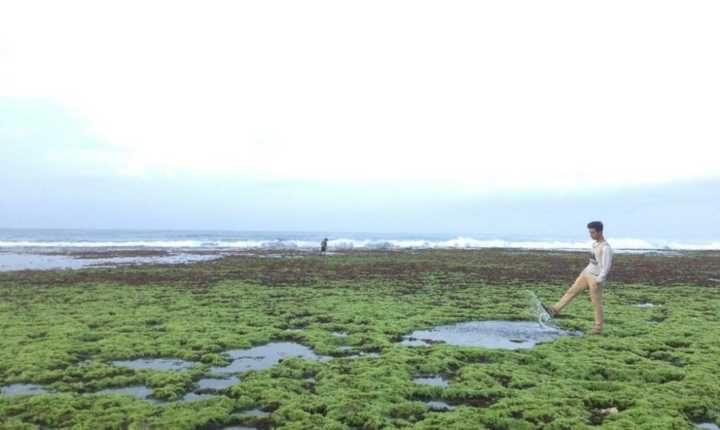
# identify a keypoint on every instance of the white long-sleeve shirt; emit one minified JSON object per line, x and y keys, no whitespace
{"x":600,"y":260}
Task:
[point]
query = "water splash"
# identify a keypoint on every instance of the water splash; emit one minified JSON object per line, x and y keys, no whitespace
{"x":536,"y":309}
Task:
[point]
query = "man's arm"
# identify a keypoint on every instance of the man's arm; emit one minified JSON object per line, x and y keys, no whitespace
{"x":606,"y":263}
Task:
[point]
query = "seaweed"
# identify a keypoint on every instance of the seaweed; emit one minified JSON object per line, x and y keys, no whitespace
{"x":655,"y":367}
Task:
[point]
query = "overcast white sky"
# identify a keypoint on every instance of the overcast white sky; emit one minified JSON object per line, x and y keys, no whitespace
{"x":457,"y":97}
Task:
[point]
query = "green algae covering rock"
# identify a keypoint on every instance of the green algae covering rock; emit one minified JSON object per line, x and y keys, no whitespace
{"x":655,"y":368}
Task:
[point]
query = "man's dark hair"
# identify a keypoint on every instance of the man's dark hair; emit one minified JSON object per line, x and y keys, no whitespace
{"x":597,"y":225}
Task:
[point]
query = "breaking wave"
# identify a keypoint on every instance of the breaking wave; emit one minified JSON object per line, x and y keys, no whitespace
{"x":460,"y":242}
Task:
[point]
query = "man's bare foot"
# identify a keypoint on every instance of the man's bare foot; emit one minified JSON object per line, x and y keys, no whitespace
{"x":550,"y":310}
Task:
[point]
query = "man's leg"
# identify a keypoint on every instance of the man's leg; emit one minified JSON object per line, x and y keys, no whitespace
{"x":596,"y":299}
{"x":580,"y":284}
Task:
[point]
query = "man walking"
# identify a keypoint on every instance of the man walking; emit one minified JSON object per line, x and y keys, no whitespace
{"x":592,"y":277}
{"x":323,"y":245}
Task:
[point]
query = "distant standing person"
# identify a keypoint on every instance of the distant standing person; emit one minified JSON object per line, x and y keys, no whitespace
{"x":323,"y":245}
{"x":593,"y":277}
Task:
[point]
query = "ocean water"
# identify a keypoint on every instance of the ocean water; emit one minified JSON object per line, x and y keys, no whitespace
{"x":14,"y":239}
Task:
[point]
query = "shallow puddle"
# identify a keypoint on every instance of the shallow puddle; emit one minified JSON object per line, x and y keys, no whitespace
{"x":439,"y":406}
{"x":644,"y":304}
{"x":20,"y":261}
{"x":707,"y":426}
{"x":138,"y":391}
{"x":23,"y":390}
{"x":217,"y":384}
{"x":195,"y":397}
{"x":438,"y":381}
{"x":254,"y":413}
{"x":409,"y":341}
{"x":143,"y":393}
{"x":154,"y":364}
{"x":364,"y":354}
{"x":266,"y":356}
{"x":29,"y":259}
{"x":339,"y":334}
{"x":488,"y":334}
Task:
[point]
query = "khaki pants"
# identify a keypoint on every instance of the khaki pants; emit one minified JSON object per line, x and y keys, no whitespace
{"x":585,"y":280}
